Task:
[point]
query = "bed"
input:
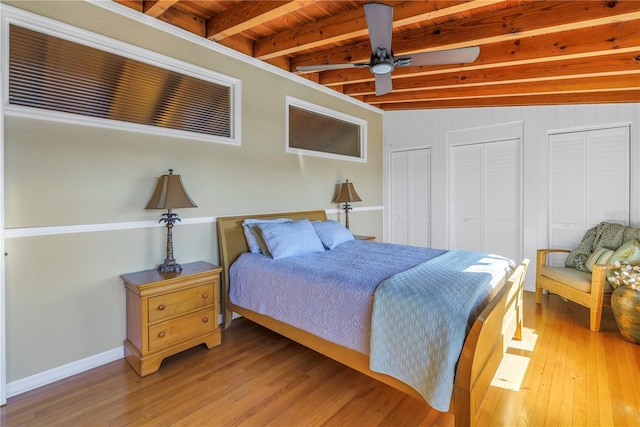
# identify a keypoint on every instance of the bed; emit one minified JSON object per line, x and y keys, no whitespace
{"x":496,"y":321}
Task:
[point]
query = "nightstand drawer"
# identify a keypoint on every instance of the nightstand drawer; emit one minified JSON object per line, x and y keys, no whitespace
{"x":175,"y":303}
{"x":180,"y":329}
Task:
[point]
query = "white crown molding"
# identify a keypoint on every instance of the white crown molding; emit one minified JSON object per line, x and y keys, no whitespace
{"x":179,"y":32}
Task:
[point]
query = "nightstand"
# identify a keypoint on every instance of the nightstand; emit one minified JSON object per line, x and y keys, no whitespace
{"x":171,"y":312}
{"x":359,"y":237}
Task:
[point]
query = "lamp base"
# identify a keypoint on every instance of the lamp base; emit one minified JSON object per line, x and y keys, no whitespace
{"x":169,"y":266}
{"x":346,"y":208}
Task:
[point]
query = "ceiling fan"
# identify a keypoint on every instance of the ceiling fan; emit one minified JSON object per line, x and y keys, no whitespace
{"x":380,"y":23}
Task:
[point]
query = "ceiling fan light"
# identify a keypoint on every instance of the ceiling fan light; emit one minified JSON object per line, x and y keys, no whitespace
{"x":382,"y":68}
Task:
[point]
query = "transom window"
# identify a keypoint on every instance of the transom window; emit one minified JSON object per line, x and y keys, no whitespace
{"x":319,"y":131}
{"x":69,"y":78}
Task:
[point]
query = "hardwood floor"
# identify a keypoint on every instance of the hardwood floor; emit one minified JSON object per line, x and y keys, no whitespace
{"x":561,"y":374}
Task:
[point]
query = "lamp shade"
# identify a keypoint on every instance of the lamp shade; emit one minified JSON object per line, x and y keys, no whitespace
{"x":170,"y":194}
{"x":346,"y":193}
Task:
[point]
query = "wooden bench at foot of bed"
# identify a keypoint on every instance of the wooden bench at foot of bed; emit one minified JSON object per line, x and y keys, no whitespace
{"x":483,"y":350}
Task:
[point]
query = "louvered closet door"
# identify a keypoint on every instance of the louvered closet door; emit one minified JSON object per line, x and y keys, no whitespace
{"x":485,"y":197}
{"x":465,"y":198}
{"x":410,"y":197}
{"x":589,"y":183}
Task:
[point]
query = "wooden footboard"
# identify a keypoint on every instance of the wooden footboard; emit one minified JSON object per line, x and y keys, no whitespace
{"x":484,"y":347}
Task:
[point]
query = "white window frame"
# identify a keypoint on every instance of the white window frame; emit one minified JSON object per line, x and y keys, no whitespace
{"x":76,"y":35}
{"x":362,"y":124}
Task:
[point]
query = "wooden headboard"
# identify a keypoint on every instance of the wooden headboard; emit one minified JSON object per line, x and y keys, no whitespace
{"x":232,"y":244}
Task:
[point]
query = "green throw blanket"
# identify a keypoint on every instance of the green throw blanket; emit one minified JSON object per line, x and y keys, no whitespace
{"x":604,"y":235}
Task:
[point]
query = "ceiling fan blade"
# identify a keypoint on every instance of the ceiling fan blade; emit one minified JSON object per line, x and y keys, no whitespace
{"x":450,"y":56}
{"x":383,"y":84}
{"x":325,"y":67}
{"x":380,"y":22}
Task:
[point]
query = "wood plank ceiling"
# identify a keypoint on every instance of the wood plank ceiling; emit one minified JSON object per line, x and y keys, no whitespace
{"x":531,"y":52}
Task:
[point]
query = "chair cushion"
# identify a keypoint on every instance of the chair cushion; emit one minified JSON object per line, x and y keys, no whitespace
{"x":571,"y":277}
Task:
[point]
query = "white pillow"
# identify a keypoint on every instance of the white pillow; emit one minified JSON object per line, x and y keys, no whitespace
{"x":252,"y":234}
{"x":332,"y":233}
{"x":289,"y":239}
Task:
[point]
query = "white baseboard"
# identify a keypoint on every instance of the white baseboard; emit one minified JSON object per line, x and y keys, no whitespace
{"x":43,"y":378}
{"x":61,"y":372}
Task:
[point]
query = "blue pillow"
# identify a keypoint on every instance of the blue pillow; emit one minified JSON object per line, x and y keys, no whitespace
{"x":289,"y":239}
{"x":252,"y":234}
{"x":332,"y":233}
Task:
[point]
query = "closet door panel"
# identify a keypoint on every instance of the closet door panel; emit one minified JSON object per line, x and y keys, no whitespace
{"x":501,"y":197}
{"x":567,"y":196}
{"x":399,"y":198}
{"x":589,"y":183}
{"x":411,"y":197}
{"x":420,"y":198}
{"x":608,"y":176}
{"x":466,"y":195}
{"x":567,"y":179}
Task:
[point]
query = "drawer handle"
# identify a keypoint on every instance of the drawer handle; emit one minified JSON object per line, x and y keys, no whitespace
{"x":161,"y":307}
{"x":161,"y":334}
{"x":205,"y":320}
{"x":205,"y":295}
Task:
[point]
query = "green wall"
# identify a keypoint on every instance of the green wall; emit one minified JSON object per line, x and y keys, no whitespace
{"x":65,"y":300}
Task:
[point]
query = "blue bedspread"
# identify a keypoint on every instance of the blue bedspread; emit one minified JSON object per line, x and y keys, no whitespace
{"x":420,"y":318}
{"x":329,"y":294}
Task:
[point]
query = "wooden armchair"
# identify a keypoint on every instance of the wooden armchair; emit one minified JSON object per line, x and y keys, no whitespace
{"x":587,"y":289}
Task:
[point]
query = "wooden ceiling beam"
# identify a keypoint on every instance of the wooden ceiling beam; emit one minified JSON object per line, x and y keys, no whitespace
{"x":283,"y":63}
{"x":629,"y":82}
{"x":238,"y":43}
{"x":352,"y":24}
{"x":587,"y":42}
{"x":132,"y":4}
{"x":349,"y":24}
{"x":247,"y":15}
{"x":183,"y":20}
{"x":531,"y":52}
{"x":622,"y":96}
{"x":621,"y":63}
{"x":156,"y":8}
{"x":534,"y":18}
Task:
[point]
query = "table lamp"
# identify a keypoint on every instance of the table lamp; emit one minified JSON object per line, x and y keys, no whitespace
{"x":170,"y":194}
{"x":345,"y":194}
